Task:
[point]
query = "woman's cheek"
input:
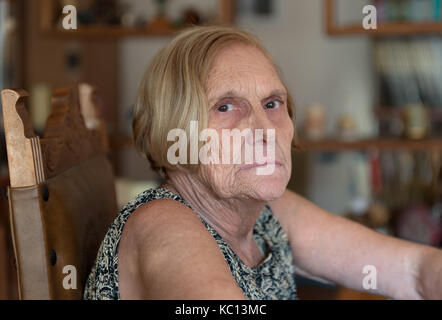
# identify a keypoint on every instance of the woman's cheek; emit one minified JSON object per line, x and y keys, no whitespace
{"x":291,"y":129}
{"x":284,"y":124}
{"x":286,"y":132}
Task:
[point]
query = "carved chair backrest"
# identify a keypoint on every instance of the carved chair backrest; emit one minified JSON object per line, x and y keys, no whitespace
{"x":61,"y":195}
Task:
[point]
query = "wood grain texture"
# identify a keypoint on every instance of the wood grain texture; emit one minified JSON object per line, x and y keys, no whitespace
{"x":62,"y":197}
{"x":23,"y":147}
{"x":67,"y":141}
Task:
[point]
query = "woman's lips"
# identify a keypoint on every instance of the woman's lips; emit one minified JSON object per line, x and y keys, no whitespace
{"x":256,"y":165}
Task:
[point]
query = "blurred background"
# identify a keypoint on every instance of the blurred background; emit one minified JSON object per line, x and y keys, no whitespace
{"x":368,"y":102}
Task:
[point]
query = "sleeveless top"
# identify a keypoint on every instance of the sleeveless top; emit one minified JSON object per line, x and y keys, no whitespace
{"x":273,"y":278}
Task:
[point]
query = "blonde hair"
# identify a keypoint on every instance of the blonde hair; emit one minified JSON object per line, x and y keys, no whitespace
{"x":172,"y":91}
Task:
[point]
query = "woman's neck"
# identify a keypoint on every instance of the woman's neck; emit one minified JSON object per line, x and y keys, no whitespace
{"x":232,"y":218}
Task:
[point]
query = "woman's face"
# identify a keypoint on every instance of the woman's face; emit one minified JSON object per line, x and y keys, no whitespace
{"x":245,"y":93}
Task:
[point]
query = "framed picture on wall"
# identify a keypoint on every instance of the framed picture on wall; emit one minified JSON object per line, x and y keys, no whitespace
{"x":259,"y":11}
{"x":256,"y":9}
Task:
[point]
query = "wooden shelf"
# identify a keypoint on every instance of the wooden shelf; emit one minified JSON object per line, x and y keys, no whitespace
{"x":391,"y":144}
{"x":385,"y":113}
{"x":111,"y":32}
{"x":225,"y":16}
{"x":389,"y":29}
{"x":384,"y":29}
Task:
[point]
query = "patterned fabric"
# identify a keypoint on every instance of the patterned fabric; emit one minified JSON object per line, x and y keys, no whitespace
{"x":273,"y":278}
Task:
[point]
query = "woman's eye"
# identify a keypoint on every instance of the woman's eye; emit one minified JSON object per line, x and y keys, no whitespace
{"x":225,"y":107}
{"x":273,"y":105}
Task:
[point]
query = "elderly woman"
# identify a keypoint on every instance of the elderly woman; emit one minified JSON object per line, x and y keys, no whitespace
{"x":220,"y":229}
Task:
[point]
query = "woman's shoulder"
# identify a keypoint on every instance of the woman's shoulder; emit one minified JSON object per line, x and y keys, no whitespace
{"x":159,"y":209}
{"x":163,"y":240}
{"x":150,"y":196}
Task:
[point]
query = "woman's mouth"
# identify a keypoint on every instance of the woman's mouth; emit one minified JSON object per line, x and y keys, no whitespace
{"x":257,"y":165}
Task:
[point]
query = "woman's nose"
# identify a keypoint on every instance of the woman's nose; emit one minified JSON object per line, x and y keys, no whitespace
{"x":259,"y":125}
{"x":259,"y":119}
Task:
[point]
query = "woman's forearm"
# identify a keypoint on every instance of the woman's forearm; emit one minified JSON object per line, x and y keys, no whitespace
{"x":429,"y":282}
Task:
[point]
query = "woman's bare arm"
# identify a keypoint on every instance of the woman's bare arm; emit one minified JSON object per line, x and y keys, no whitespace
{"x":166,"y":253}
{"x":330,"y":247}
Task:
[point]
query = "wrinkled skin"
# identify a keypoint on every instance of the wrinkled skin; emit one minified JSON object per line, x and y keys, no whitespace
{"x":243,"y":91}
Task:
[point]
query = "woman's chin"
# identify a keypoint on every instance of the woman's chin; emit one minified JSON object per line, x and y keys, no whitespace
{"x":271,"y":190}
{"x":266,"y":187}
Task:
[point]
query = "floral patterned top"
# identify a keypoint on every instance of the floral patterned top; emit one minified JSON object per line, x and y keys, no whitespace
{"x":273,"y":278}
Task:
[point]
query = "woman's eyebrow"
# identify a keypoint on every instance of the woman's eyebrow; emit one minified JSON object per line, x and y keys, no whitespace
{"x":277,"y":92}
{"x":233,"y":94}
{"x":228,"y":94}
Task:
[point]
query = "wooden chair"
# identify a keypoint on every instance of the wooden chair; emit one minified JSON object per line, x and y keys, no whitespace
{"x":61,"y":194}
{"x":8,"y":276}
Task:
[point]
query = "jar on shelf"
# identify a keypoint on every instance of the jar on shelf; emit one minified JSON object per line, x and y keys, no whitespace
{"x":314,"y":122}
{"x":416,"y":121}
